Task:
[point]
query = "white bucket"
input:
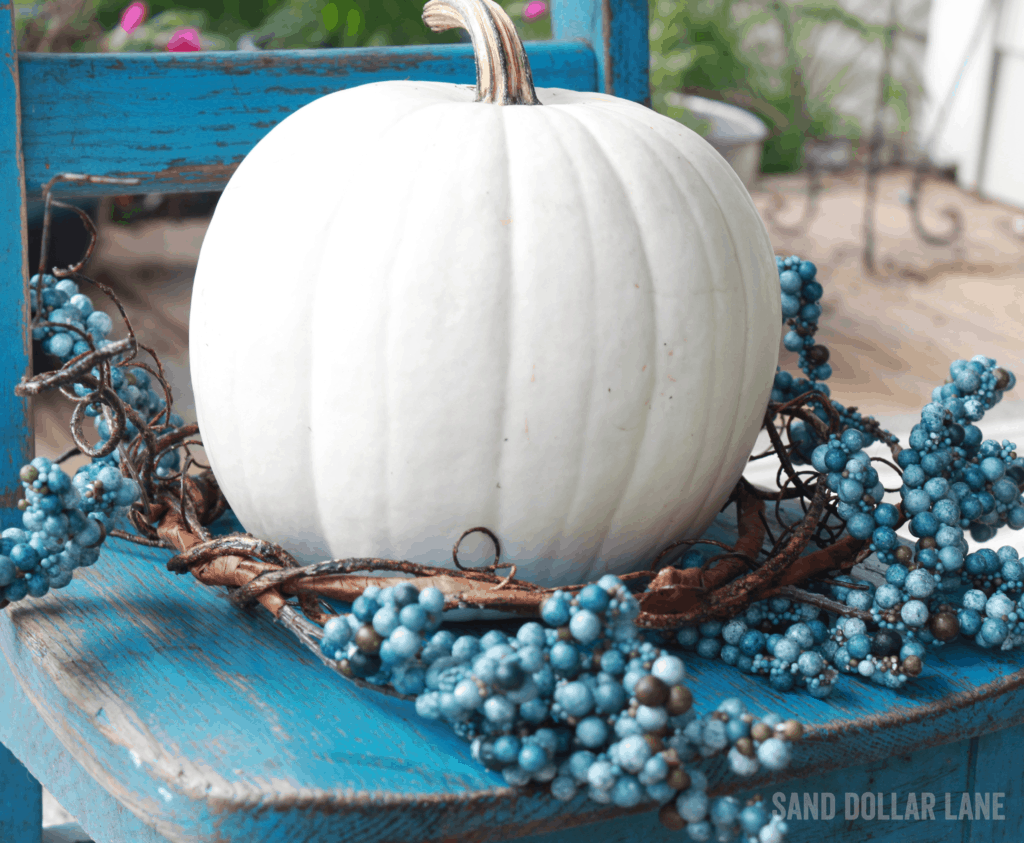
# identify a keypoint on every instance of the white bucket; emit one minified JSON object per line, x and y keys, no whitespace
{"x":737,"y":134}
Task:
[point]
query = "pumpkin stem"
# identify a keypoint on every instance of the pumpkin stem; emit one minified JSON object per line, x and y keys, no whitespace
{"x":502,"y":70}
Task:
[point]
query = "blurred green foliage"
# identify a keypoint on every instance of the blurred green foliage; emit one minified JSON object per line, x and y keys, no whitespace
{"x":703,"y":47}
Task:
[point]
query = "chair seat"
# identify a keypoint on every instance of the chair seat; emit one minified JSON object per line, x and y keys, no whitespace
{"x":203,"y":722}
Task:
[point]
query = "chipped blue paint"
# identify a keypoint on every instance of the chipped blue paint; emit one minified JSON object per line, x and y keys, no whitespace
{"x":15,"y":428}
{"x":183,"y":121}
{"x":618,"y":32}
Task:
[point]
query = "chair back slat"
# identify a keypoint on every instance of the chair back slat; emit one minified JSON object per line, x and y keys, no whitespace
{"x":618,"y":33}
{"x":16,"y":440}
{"x":182,"y":122}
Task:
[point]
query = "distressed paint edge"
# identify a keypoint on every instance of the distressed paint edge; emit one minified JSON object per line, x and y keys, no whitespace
{"x":576,"y":55}
{"x":19,"y":450}
{"x":604,"y":38}
{"x":999,"y":690}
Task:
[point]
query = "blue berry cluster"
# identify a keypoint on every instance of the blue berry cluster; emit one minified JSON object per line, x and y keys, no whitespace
{"x":75,"y":319}
{"x":64,"y":521}
{"x":581,"y":703}
{"x":73,"y":315}
{"x":134,"y":387}
{"x":954,"y":482}
{"x":801,"y":311}
{"x":790,"y":657}
{"x":800,"y":308}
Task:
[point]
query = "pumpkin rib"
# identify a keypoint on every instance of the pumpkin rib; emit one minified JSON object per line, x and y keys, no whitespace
{"x":558,"y":422}
{"x":389,"y":284}
{"x":250,"y":469}
{"x":612,"y":521}
{"x":711,"y":498}
{"x":381,"y":531}
{"x":311,"y":361}
{"x":671,"y":526}
{"x":510,"y":278}
{"x":320,"y":517}
{"x":748,"y":349}
{"x":550,"y":114}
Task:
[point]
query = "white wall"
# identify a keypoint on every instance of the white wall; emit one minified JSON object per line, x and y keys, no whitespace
{"x":982,"y":130}
{"x":832,"y":51}
{"x":1003,"y":175}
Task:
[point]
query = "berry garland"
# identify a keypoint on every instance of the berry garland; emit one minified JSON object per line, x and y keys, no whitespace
{"x":582,"y":702}
{"x":585,"y":701}
{"x":953,"y":481}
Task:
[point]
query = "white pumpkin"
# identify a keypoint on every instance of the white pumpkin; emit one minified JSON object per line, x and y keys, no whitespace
{"x":419,"y":310}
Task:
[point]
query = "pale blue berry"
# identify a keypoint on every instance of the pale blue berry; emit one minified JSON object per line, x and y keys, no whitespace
{"x":692,"y":805}
{"x":633,"y":752}
{"x":669,"y":669}
{"x":585,"y":626}
{"x":774,"y":754}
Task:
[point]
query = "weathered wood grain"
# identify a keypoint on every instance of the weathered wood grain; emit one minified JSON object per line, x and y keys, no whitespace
{"x":999,"y":768}
{"x":183,"y":121}
{"x":15,"y":425}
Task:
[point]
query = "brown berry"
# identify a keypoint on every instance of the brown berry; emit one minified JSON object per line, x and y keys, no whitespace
{"x":678,"y":779}
{"x":903,"y":554}
{"x":679,"y":700}
{"x":817,"y":355}
{"x":28,"y":474}
{"x":1002,"y":378}
{"x":670,"y":818}
{"x":368,"y":640}
{"x":927,"y":543}
{"x":745,"y":746}
{"x":944,"y":625}
{"x":651,"y":691}
{"x":671,"y":757}
{"x":760,"y":732}
{"x":912,"y":666}
{"x":654,"y":742}
{"x":791,"y":730}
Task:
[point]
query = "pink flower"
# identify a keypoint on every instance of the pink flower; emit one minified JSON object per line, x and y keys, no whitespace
{"x":133,"y":16}
{"x":534,"y":9}
{"x":184,"y":41}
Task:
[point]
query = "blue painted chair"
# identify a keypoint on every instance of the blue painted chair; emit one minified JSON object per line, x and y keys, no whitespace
{"x":154,"y":710}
